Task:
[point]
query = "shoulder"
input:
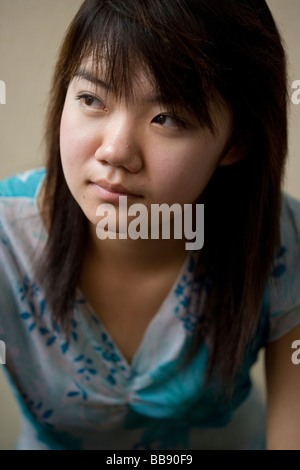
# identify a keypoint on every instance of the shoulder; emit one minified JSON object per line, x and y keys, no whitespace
{"x":18,"y":197}
{"x":290,"y":219}
{"x":21,"y":226}
{"x":22,"y":238}
{"x":22,"y":185}
{"x":284,"y":283}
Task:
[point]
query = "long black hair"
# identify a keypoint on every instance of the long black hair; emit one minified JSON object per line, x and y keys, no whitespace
{"x":195,"y":52}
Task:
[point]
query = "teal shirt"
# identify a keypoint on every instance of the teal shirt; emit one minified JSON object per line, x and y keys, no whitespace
{"x":79,"y":392}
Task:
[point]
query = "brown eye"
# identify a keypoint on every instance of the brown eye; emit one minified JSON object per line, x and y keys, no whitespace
{"x":170,"y":121}
{"x":91,"y":101}
{"x":88,"y":100}
{"x":161,"y":119}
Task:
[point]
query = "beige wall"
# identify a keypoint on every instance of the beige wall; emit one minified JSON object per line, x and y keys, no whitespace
{"x":287,"y":15}
{"x":30,"y":34}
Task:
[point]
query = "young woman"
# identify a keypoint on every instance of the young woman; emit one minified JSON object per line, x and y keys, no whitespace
{"x":121,"y":343}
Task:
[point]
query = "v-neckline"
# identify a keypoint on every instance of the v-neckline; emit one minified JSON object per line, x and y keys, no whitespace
{"x":132,"y":365}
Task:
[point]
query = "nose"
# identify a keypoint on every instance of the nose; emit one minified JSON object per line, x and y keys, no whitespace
{"x":119,"y":145}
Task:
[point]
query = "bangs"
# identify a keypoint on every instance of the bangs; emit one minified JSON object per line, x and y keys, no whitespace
{"x":120,"y":41}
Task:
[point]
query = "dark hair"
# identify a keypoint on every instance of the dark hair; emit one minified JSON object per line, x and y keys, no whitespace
{"x":196,"y":51}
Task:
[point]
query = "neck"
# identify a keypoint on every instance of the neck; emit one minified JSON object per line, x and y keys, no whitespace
{"x":137,"y":254}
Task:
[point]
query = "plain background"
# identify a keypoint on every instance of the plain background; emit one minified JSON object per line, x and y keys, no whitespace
{"x":30,"y":34}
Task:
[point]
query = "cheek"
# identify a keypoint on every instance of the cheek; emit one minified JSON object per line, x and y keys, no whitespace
{"x":71,"y":151}
{"x":185,"y":170}
{"x":76,"y":144}
{"x":69,"y":140}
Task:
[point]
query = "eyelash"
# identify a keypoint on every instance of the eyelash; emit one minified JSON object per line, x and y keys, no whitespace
{"x":85,"y":96}
{"x":180,"y":123}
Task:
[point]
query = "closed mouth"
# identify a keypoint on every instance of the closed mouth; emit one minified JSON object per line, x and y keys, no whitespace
{"x":116,"y":188}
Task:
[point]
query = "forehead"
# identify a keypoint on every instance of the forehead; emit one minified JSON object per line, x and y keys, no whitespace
{"x":133,"y":82}
{"x":137,"y":83}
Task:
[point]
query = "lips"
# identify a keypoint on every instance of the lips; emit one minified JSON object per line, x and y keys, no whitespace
{"x":115,"y":188}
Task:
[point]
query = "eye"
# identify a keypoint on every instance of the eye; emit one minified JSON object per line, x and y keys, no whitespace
{"x":167,"y":120}
{"x":90,"y":101}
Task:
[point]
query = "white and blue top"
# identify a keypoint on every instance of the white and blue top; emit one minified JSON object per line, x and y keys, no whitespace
{"x":79,"y":392}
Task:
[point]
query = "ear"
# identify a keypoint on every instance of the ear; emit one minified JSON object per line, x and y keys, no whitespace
{"x":234,"y":154}
{"x":238,"y":149}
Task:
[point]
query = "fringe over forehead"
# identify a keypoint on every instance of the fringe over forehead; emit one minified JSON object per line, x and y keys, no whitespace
{"x":156,"y":37}
{"x":197,"y":54}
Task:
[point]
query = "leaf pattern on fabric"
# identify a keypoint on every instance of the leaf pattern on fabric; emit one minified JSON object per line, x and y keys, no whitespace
{"x":77,"y":390}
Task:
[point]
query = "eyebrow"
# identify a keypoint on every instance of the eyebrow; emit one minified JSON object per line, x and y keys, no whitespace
{"x":81,"y":73}
{"x":86,"y":75}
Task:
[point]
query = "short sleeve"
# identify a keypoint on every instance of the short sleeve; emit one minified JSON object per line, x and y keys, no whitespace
{"x":284,"y":285}
{"x":22,"y":237}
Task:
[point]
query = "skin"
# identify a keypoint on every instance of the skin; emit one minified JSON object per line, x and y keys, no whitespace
{"x":283,"y":385}
{"x":139,"y":145}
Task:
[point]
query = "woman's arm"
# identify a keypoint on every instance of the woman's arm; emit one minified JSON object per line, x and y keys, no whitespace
{"x":283,"y":393}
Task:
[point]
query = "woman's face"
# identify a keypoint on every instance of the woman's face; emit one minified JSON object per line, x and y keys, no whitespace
{"x":112,"y":147}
